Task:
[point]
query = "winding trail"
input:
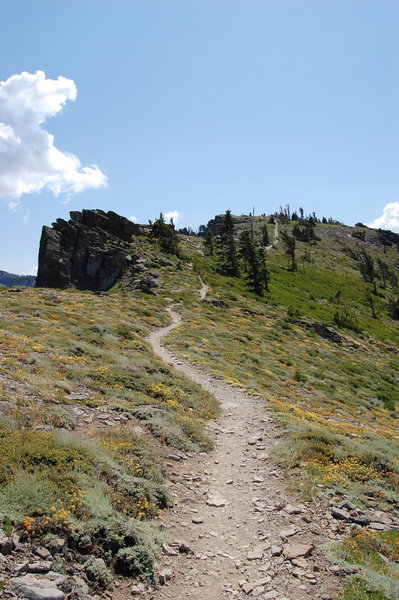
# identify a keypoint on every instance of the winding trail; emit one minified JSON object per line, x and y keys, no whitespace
{"x":275,"y":238}
{"x":229,"y":507}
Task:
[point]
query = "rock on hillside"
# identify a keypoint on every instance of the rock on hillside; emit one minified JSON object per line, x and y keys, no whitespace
{"x":88,"y":252}
{"x":241,"y":222}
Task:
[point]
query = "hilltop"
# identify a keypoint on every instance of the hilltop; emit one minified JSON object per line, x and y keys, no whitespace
{"x":106,"y":435}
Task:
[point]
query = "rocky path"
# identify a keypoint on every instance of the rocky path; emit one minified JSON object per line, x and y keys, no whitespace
{"x":242,"y":533}
{"x":275,"y":238}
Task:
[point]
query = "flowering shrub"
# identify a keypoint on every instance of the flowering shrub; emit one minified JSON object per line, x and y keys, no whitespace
{"x":58,"y":517}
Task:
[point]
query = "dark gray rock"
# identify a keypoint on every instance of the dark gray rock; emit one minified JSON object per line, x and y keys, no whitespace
{"x":40,"y":566}
{"x":164,"y":576}
{"x":7,"y":544}
{"x":89,"y":252}
{"x":347,"y":504}
{"x":146,"y":285}
{"x":339,"y":513}
{"x":42,"y":553}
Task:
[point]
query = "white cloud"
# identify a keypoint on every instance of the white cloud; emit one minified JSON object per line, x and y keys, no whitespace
{"x":173,"y":214}
{"x":389,"y":218}
{"x":29,"y":160}
{"x":133,"y":218}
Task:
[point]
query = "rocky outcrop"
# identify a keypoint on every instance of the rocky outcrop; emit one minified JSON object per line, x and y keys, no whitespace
{"x":88,"y":252}
{"x":240,"y":222}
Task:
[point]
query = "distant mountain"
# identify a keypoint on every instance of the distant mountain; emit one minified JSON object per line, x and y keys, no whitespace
{"x":10,"y":279}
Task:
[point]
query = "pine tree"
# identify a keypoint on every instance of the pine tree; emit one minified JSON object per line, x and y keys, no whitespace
{"x":264,"y":273}
{"x":165,"y":234}
{"x":289,"y":247}
{"x":370,"y":302}
{"x":210,"y":242}
{"x":367,"y":269}
{"x":265,"y":236}
{"x":254,"y":263}
{"x":384,"y":272}
{"x":227,"y":249}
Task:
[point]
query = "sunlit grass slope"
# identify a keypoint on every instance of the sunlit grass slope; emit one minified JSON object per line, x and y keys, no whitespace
{"x":62,"y":351}
{"x":337,"y":401}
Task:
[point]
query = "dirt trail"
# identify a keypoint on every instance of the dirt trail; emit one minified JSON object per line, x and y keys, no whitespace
{"x":237,"y":546}
{"x":275,"y":238}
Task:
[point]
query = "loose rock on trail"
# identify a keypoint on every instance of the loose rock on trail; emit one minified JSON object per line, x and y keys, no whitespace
{"x":245,"y":534}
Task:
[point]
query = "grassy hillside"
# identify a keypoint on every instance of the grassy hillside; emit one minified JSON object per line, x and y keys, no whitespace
{"x":89,"y":413}
{"x":337,"y":401}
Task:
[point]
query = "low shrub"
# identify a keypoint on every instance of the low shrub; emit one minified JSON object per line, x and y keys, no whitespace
{"x":97,"y":572}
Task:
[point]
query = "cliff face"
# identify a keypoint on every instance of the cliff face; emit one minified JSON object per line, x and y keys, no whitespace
{"x":88,"y":252}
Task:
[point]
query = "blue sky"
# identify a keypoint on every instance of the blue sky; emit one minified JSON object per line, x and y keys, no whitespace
{"x":197,"y":106}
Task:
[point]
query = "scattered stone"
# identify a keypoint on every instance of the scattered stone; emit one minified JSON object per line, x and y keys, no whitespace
{"x":42,"y":566}
{"x":306,"y":518}
{"x":137,"y":589}
{"x":341,"y":514}
{"x":335,"y":569}
{"x":254,"y":439}
{"x":255,"y":554}
{"x":292,"y":551}
{"x":360,"y":520}
{"x":36,"y":589}
{"x":276,"y":550}
{"x":258,"y":591}
{"x":21,"y":567}
{"x":42,"y":553}
{"x":216,"y":501}
{"x":380,"y":517}
{"x":347,"y":504}
{"x":164,"y":576}
{"x":378,"y":526}
{"x":286,"y":533}
{"x":258,"y":479}
{"x":7,"y":545}
{"x":300,"y":562}
{"x":175,"y":457}
{"x":247,"y":588}
{"x":197,"y":520}
{"x":293,"y":510}
{"x":169,"y":551}
{"x":184,"y":547}
{"x":263,"y":456}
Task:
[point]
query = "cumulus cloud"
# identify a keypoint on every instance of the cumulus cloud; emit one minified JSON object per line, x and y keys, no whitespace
{"x":29,"y":160}
{"x":389,"y":218}
{"x":175,"y":215}
{"x":133,"y":219}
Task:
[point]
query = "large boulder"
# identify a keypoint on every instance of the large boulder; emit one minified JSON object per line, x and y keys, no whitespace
{"x":88,"y":252}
